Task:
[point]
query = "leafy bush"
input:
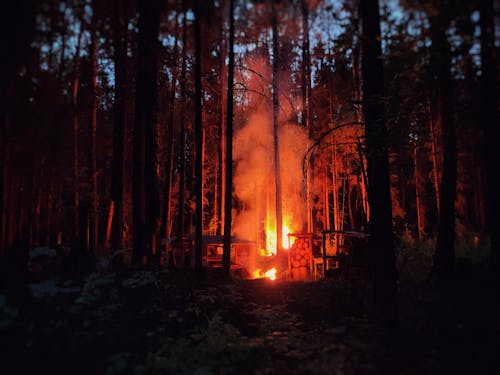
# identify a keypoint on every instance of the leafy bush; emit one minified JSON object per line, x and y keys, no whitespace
{"x":471,"y":246}
{"x":413,"y":259}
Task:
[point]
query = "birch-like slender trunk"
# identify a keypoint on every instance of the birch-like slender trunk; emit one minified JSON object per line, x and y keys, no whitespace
{"x":221,"y":207}
{"x":228,"y":182}
{"x":434,"y":157}
{"x":418,"y":202}
{"x":277,"y":166}
{"x":307,"y":114}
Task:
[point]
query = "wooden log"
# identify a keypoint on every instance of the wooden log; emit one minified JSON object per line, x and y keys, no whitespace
{"x":303,"y":273}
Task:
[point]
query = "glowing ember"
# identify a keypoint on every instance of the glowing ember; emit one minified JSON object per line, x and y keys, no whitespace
{"x":270,"y":274}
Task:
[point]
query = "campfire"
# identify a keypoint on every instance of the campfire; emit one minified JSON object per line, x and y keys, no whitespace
{"x":268,"y":254}
{"x":270,"y":274}
{"x":295,"y":259}
{"x":268,"y":190}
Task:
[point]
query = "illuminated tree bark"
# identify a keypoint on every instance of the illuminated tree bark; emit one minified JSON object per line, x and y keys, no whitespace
{"x":228,"y":189}
{"x":444,"y":257}
{"x":17,"y":37}
{"x":198,"y":132}
{"x":434,"y":157}
{"x":152,"y":167}
{"x":277,"y":167}
{"x":418,"y":203}
{"x":336,"y":212}
{"x":182,"y":157}
{"x":76,"y":127}
{"x":221,"y":207}
{"x":169,"y":163}
{"x":381,"y":241}
{"x":94,"y":204}
{"x":326,"y":201}
{"x":307,"y":113}
{"x":118,"y":166}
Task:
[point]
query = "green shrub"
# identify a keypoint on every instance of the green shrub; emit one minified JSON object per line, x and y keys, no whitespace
{"x":413,"y":259}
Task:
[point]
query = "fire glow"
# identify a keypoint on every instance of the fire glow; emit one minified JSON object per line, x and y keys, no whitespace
{"x":271,"y":238}
{"x":255,"y":177}
{"x":270,"y":274}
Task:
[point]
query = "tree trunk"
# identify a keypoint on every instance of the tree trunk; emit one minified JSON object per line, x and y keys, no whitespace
{"x":277,"y":166}
{"x":49,"y":232}
{"x":94,"y":205}
{"x":152,"y":163}
{"x":228,"y":182}
{"x":109,"y":223}
{"x":327,"y":199}
{"x":169,"y":163}
{"x":17,"y":27}
{"x":182,"y":156}
{"x":4,"y":159}
{"x":356,"y":68}
{"x":198,"y":141}
{"x":145,"y":160}
{"x":334,"y":186}
{"x":489,"y":100}
{"x":11,"y":209}
{"x":118,"y":166}
{"x":37,"y":192}
{"x":418,"y":203}
{"x":307,"y":115}
{"x":444,"y":257}
{"x":381,"y":241}
{"x":223,"y":136}
{"x":76,"y":137}
{"x":358,"y":108}
{"x":434,"y":156}
{"x":344,"y":202}
{"x":363,"y":182}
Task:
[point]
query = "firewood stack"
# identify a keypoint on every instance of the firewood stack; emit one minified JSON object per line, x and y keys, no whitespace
{"x":300,"y":256}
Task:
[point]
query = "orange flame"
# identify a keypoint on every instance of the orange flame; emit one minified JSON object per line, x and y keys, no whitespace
{"x":270,"y":274}
{"x":271,"y":237}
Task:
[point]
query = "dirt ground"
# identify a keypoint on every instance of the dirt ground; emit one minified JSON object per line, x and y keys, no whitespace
{"x":158,"y":322}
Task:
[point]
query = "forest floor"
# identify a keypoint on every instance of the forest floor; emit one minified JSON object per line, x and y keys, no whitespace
{"x":158,"y":322}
